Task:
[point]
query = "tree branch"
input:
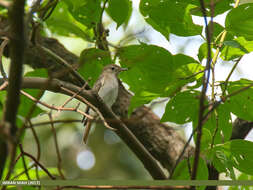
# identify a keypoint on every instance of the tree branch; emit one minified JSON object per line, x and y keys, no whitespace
{"x":17,"y":49}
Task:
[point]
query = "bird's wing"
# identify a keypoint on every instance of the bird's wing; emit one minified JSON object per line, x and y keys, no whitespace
{"x":98,"y":84}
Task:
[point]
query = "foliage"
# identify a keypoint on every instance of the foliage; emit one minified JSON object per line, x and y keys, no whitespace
{"x":155,"y":72}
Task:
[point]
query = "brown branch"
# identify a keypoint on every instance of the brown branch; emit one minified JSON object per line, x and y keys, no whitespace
{"x":205,"y":82}
{"x":17,"y":49}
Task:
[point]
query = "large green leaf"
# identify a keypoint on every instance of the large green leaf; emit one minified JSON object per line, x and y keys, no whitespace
{"x":241,"y":154}
{"x":182,"y":108}
{"x":170,"y":16}
{"x":154,"y":72}
{"x":240,"y":21}
{"x":236,"y":48}
{"x":236,"y":153}
{"x":241,"y":104}
{"x":87,"y":12}
{"x":150,"y":67}
{"x":119,"y":11}
{"x":63,"y":23}
{"x":91,"y":63}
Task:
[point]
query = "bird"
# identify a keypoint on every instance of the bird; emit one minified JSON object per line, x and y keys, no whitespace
{"x":106,"y":87}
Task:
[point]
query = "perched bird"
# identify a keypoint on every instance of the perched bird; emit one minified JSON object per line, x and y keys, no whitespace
{"x":107,"y":88}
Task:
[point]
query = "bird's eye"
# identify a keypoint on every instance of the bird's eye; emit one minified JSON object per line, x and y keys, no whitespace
{"x":112,"y":68}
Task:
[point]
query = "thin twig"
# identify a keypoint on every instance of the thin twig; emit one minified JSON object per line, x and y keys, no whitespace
{"x":23,"y":160}
{"x":193,"y":75}
{"x":40,"y":165}
{"x":73,"y":96}
{"x":64,"y":63}
{"x":55,"y":108}
{"x":36,"y":139}
{"x":59,"y":165}
{"x":216,"y":128}
{"x":229,"y":75}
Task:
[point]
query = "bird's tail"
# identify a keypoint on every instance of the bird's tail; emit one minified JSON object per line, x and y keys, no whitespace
{"x":86,"y":130}
{"x":87,"y":125}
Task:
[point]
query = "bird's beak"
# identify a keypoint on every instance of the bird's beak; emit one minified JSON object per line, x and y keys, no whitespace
{"x":123,"y":69}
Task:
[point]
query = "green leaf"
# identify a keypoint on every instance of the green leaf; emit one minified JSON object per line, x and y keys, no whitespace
{"x":154,"y":72}
{"x":91,"y":63}
{"x":236,"y":44}
{"x":202,"y":54}
{"x":236,"y":48}
{"x":240,"y":21}
{"x":149,"y":67}
{"x":236,"y":153}
{"x":170,"y":16}
{"x":221,"y":160}
{"x":63,"y":23}
{"x":153,"y":68}
{"x":87,"y":12}
{"x":119,"y":10}
{"x":182,"y":171}
{"x":240,"y":104}
{"x":241,"y":154}
{"x":175,"y":109}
